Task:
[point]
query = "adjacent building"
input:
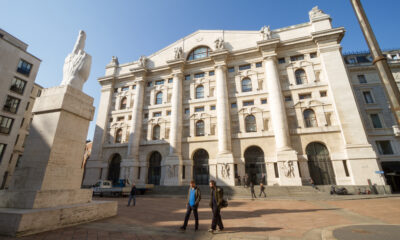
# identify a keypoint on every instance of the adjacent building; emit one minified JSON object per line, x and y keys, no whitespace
{"x":277,"y":105}
{"x":382,"y":130}
{"x":18,"y":69}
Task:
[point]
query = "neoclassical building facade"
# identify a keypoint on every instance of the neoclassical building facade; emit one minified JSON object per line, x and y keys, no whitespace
{"x":273,"y":104}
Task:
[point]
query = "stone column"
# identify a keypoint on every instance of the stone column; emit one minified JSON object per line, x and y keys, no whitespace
{"x":224,"y":172}
{"x":172,"y":166}
{"x":286,"y":157}
{"x":131,"y":163}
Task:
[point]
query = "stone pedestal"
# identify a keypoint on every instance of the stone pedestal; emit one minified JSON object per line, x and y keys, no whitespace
{"x":225,"y":170}
{"x":288,"y":168}
{"x":45,"y":191}
{"x":172,"y":171}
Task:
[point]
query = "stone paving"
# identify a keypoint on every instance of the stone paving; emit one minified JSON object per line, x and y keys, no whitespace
{"x":160,"y":218}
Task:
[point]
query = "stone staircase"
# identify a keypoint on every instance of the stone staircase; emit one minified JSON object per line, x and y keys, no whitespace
{"x":238,"y":192}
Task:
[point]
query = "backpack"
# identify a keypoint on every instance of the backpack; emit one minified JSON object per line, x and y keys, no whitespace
{"x":224,"y":203}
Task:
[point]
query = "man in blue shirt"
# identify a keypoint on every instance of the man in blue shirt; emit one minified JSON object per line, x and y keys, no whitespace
{"x":192,"y":203}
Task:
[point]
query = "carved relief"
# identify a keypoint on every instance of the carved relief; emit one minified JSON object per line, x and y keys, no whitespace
{"x":219,"y":43}
{"x":266,"y":33}
{"x":178,"y":53}
{"x":288,"y":169}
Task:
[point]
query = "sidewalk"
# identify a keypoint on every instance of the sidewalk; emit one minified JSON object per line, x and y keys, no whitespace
{"x":160,"y":218}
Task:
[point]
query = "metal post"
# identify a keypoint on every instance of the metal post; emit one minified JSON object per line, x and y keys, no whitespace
{"x":380,"y":62}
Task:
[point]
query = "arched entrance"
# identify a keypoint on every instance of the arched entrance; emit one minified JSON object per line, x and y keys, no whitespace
{"x":255,"y":164}
{"x":154,"y":173}
{"x":200,"y":167}
{"x":320,"y":164}
{"x":114,"y":168}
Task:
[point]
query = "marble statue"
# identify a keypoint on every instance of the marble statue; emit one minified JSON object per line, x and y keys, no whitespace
{"x":266,"y":32}
{"x":315,"y":12}
{"x":219,"y":43}
{"x":142,"y":61}
{"x":178,"y":53}
{"x":114,"y":61}
{"x":225,"y":170}
{"x":77,"y":64}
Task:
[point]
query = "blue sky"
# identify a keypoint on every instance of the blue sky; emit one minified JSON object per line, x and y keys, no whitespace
{"x":128,"y":29}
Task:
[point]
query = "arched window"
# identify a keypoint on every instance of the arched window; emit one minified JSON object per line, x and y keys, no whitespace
{"x":200,"y":128}
{"x":124,"y":101}
{"x":246,"y":85}
{"x":159,"y":96}
{"x":301,"y":76}
{"x":200,"y":52}
{"x":156,"y":132}
{"x":309,"y":118}
{"x":199,"y":92}
{"x":118,"y":136}
{"x":250,"y":122}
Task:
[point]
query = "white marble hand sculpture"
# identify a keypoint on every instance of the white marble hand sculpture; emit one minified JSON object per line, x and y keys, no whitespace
{"x":77,"y":64}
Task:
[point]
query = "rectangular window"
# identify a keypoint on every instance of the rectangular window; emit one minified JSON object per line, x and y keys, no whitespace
{"x":276,"y":170}
{"x":233,"y":105}
{"x":199,"y":109}
{"x":244,"y":67}
{"x":363,"y":59}
{"x":313,"y":55}
{"x":258,"y":64}
{"x":211,"y":73}
{"x":18,"y":160}
{"x":2,"y":150}
{"x":231,"y":69}
{"x":384,"y":147}
{"x":134,"y":87}
{"x":281,"y":60}
{"x":157,"y":114}
{"x":123,"y":89}
{"x":22,"y":122}
{"x":18,"y":85}
{"x":361,"y":78}
{"x":376,"y":122}
{"x":149,"y":84}
{"x":346,"y":170}
{"x":24,"y":67}
{"x":111,"y":119}
{"x":297,"y":58}
{"x":212,"y":107}
{"x":130,"y":117}
{"x":183,"y":171}
{"x":168,"y":113}
{"x":187,"y":77}
{"x":138,"y":172}
{"x":368,"y":97}
{"x":12,"y":104}
{"x":288,"y":98}
{"x":115,"y":90}
{"x":352,"y":60}
{"x":187,"y":111}
{"x":6,"y":124}
{"x":27,"y":106}
{"x":235,"y":168}
{"x":39,"y":92}
{"x":146,"y":115}
{"x":170,"y":80}
{"x":199,"y":75}
{"x":16,"y":140}
{"x":159,"y":82}
{"x":305,"y":96}
{"x":264,"y":101}
{"x":322,"y":93}
{"x":248,"y":103}
{"x":120,"y":119}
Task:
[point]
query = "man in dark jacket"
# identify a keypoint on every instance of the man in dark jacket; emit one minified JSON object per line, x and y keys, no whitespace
{"x":192,"y":203}
{"x":253,"y":194}
{"x":216,"y":199}
{"x":132,"y":195}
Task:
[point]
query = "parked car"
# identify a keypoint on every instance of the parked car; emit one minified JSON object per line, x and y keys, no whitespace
{"x":122,"y":188}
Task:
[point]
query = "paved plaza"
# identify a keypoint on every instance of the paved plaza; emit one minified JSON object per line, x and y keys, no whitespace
{"x":160,"y":218}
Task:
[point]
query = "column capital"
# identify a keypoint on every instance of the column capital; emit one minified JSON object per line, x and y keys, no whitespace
{"x":176,"y":65}
{"x":268,"y":47}
{"x":270,"y":57}
{"x":177,"y":74}
{"x":220,"y":57}
{"x":221,"y":66}
{"x":139,"y":72}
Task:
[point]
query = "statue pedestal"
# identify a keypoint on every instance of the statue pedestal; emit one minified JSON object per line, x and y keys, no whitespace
{"x":45,"y":192}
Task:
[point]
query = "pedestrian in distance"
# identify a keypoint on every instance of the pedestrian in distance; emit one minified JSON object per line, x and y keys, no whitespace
{"x":244,"y":181}
{"x":192,"y":204}
{"x":216,"y":203}
{"x":262,"y":190}
{"x":132,"y":195}
{"x":238,"y":181}
{"x":253,"y":194}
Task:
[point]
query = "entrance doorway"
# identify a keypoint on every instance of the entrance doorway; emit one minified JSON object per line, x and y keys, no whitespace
{"x":320,"y":164}
{"x":255,"y":165}
{"x":392,"y":174}
{"x":154,"y":173}
{"x":200,"y":167}
{"x":114,"y":168}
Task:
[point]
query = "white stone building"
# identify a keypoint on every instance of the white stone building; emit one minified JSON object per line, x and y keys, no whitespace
{"x":219,"y":104}
{"x":18,"y":69}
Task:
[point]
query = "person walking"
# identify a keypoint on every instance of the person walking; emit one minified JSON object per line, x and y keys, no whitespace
{"x":253,"y":194}
{"x":132,"y":195}
{"x":216,"y":199}
{"x":244,"y":181}
{"x":262,"y":190}
{"x":192,"y":204}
